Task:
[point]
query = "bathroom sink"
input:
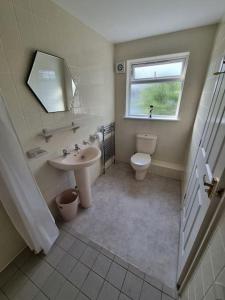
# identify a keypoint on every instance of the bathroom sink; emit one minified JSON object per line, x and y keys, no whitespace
{"x":76,"y":160}
{"x":79,"y":161}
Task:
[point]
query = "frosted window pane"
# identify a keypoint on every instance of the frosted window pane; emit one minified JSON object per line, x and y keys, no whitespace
{"x":163,"y":96}
{"x":158,"y":70}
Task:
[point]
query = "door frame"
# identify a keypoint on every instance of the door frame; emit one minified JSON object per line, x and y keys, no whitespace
{"x":216,"y":202}
{"x":204,"y":239}
{"x":199,"y":240}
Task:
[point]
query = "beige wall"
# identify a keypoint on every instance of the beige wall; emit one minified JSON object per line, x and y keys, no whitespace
{"x":10,"y":241}
{"x":173,"y":136}
{"x":211,"y":267}
{"x":28,"y":25}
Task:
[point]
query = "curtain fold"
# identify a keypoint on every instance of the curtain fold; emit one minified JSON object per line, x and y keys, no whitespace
{"x":20,"y":194}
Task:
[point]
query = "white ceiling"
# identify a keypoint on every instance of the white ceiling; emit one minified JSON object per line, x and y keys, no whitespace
{"x":124,"y":20}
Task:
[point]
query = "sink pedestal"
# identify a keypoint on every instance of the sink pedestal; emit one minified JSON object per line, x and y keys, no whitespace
{"x":79,"y":161}
{"x":84,"y":186}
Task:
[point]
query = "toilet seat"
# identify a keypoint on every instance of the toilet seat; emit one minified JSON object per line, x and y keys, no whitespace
{"x":141,"y":159}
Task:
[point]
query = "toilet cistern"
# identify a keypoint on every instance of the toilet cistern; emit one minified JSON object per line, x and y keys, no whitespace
{"x":145,"y":147}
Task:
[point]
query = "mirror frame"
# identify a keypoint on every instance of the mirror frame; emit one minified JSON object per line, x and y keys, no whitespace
{"x":29,"y":75}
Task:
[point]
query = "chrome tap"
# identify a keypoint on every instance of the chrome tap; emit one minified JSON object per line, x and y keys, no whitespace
{"x":76,"y":147}
{"x":65,"y":152}
{"x":86,"y":142}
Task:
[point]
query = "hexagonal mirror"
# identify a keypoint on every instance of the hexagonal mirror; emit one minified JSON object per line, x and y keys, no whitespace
{"x":51,"y":82}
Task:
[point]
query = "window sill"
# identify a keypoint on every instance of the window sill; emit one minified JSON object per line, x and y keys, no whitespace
{"x":152,"y":119}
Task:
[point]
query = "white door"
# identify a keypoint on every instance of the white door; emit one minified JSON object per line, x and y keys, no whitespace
{"x":199,"y":203}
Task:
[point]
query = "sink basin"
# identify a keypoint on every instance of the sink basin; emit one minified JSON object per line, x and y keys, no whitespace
{"x":74,"y":161}
{"x":79,"y":162}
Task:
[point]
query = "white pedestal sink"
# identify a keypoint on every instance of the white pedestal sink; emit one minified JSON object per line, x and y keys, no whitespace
{"x":79,"y":161}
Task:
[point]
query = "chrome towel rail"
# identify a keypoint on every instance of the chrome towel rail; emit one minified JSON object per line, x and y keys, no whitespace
{"x":108,"y":143}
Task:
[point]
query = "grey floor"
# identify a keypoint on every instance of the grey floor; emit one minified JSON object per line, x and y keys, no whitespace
{"x":77,"y":268}
{"x":138,"y":221}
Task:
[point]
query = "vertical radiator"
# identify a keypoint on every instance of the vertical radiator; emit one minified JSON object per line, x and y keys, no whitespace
{"x":108,"y":143}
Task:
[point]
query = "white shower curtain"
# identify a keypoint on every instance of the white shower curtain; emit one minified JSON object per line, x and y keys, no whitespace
{"x":20,"y":194}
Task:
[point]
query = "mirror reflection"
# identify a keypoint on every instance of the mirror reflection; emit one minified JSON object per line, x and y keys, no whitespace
{"x":51,"y":82}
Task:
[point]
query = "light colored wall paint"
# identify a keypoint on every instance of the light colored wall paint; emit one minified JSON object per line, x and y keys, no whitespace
{"x":28,"y":25}
{"x":173,"y":137}
{"x":10,"y":241}
{"x":211,"y":267}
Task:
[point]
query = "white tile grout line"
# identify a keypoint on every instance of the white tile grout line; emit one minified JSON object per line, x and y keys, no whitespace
{"x":77,"y":235}
{"x":142,"y":289}
{"x":123,"y":283}
{"x":145,"y":274}
{"x":99,"y":249}
{"x":105,"y":275}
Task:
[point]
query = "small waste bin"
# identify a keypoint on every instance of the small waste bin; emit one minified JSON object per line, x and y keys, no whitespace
{"x":67,"y":203}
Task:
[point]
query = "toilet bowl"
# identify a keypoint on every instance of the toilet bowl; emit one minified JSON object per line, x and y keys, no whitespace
{"x":145,"y":147}
{"x":140,"y":163}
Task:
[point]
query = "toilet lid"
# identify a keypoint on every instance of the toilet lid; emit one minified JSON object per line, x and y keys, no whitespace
{"x":141,"y":159}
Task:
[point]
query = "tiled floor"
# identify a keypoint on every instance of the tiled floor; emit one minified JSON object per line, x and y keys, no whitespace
{"x":77,"y":268}
{"x":138,"y":221}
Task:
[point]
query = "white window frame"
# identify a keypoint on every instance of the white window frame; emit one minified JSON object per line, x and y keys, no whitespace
{"x":184,"y":56}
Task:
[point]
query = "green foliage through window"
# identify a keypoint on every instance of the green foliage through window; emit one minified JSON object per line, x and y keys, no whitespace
{"x":154,"y":86}
{"x":164,"y":96}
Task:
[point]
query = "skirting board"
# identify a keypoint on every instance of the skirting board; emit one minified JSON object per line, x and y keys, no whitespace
{"x":166,"y":169}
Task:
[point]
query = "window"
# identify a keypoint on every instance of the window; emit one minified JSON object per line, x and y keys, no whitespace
{"x":154,"y":86}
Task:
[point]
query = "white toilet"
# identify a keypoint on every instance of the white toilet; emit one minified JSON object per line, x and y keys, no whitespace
{"x":140,"y":161}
